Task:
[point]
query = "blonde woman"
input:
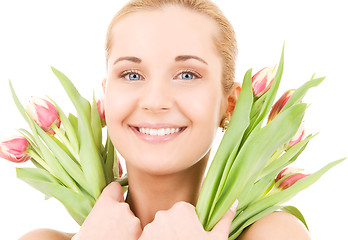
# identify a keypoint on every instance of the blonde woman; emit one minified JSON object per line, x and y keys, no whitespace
{"x":169,"y":86}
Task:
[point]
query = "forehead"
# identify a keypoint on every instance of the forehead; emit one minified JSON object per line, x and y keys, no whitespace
{"x":169,"y":31}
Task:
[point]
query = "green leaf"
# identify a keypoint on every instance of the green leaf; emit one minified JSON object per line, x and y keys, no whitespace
{"x":91,"y":159}
{"x":77,"y":204}
{"x":73,"y":121}
{"x":52,"y":162}
{"x":70,"y":131}
{"x":254,"y":155}
{"x":281,"y":196}
{"x":235,"y":231}
{"x":287,"y":158}
{"x":257,"y":107}
{"x":36,"y":173}
{"x":294,"y":211}
{"x":271,"y":94}
{"x":109,"y":161}
{"x":30,"y":139}
{"x":297,"y":96}
{"x":259,"y":188}
{"x":65,"y":149}
{"x":71,"y":167}
{"x":96,"y":125}
{"x":229,"y":143}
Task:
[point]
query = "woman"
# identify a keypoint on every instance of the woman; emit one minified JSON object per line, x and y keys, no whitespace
{"x":169,"y":87}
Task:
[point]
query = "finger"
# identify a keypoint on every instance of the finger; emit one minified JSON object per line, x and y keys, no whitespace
{"x":114,"y":190}
{"x":222,"y":227}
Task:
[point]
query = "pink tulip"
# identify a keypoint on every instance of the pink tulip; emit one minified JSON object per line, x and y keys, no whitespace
{"x":277,"y":107}
{"x":120,"y":170}
{"x":101,"y":111}
{"x":287,"y":171}
{"x":15,"y":149}
{"x":291,"y":180}
{"x":262,"y":81}
{"x":44,"y":113}
{"x":298,"y":136}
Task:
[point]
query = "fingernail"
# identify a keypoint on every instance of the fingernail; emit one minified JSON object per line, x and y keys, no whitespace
{"x":234,"y":206}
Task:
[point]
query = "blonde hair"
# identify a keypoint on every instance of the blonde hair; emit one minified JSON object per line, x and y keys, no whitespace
{"x":225,"y":42}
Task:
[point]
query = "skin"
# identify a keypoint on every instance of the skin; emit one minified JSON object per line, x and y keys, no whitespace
{"x":161,"y":174}
{"x":168,"y":88}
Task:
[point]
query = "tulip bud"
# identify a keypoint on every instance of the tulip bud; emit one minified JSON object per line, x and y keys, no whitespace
{"x":120,"y":170}
{"x":44,"y":113}
{"x":101,"y":111}
{"x":291,"y":180}
{"x":262,"y":81}
{"x":277,"y":107}
{"x":15,"y":149}
{"x":298,"y":136}
{"x":287,"y":171}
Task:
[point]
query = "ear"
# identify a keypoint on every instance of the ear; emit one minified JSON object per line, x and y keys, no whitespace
{"x":232,"y":99}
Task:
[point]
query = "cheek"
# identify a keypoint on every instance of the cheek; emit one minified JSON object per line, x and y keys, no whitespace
{"x":203,"y":106}
{"x":118,"y":105}
{"x":203,"y":110}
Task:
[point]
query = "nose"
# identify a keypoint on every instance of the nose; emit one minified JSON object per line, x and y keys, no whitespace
{"x":156,"y":96}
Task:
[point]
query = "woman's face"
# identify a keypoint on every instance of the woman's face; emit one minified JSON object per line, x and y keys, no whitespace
{"x":164,"y":99}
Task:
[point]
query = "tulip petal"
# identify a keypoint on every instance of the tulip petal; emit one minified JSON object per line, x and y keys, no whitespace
{"x":50,"y":159}
{"x":271,"y":95}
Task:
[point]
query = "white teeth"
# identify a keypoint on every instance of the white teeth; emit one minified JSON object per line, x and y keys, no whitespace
{"x":159,"y":132}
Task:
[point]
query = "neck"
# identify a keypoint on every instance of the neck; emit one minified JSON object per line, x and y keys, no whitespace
{"x":148,"y":194}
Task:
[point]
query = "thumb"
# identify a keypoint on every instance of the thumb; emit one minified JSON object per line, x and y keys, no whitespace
{"x":222,"y":227}
{"x":114,"y":190}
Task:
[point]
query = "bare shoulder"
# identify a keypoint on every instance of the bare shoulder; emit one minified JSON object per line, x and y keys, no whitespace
{"x":45,"y":234}
{"x":277,"y":225}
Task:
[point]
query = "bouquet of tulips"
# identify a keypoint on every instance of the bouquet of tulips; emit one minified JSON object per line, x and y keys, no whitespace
{"x":250,"y":165}
{"x":73,"y":165}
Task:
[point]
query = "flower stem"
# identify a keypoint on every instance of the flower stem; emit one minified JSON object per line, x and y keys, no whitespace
{"x":65,"y":140}
{"x":275,"y":155}
{"x":42,"y":162}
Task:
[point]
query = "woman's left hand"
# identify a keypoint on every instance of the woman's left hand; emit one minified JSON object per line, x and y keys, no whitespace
{"x":181,"y":223}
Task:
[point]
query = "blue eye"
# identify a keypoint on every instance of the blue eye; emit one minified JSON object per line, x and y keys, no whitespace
{"x":188,"y":75}
{"x":131,"y":76}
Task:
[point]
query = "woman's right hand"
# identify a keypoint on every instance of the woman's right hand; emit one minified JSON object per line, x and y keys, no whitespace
{"x":110,"y":218}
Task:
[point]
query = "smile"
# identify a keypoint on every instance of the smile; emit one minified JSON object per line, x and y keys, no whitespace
{"x":158,"y":134}
{"x":159,"y":131}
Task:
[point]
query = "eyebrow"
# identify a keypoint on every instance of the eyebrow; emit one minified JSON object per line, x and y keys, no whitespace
{"x":187,"y":57}
{"x":128,"y":58}
{"x":177,"y":59}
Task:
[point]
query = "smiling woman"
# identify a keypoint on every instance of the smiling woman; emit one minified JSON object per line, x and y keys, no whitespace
{"x":168,"y":88}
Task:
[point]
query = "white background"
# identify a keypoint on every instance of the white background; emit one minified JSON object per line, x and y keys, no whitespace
{"x":69,"y":35}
